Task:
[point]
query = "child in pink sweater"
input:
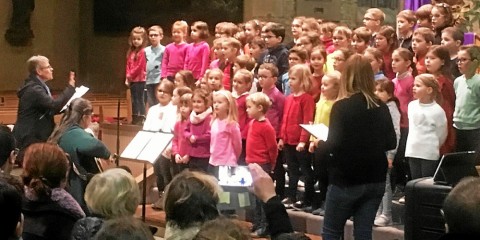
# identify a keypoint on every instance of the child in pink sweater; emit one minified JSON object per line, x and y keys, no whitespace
{"x":197,"y":131}
{"x":198,"y":54}
{"x":226,"y":141}
{"x":175,"y":52}
{"x":180,"y":144}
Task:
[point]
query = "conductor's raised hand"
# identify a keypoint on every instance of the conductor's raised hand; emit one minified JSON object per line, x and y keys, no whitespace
{"x":263,"y":186}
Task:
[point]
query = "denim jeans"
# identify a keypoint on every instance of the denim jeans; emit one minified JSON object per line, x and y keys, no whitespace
{"x":151,"y":97}
{"x":386,"y":205}
{"x":299,"y":163}
{"x":137,"y":89}
{"x":360,"y":201}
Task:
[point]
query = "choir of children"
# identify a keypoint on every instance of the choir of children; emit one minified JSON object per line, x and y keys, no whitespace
{"x":242,"y":100}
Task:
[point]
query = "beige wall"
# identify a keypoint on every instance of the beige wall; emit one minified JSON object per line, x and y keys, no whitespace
{"x":64,"y":33}
{"x":55,"y":25}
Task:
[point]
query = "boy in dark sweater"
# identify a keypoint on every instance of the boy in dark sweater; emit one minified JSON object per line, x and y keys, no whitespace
{"x":274,"y":34}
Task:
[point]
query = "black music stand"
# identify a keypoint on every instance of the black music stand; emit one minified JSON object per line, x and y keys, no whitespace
{"x":145,"y":147}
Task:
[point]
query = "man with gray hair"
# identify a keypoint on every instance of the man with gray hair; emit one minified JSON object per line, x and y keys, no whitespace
{"x":461,"y":210}
{"x":36,"y":107}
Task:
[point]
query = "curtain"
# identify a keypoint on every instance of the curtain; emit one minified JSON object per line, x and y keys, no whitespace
{"x":415,"y":4}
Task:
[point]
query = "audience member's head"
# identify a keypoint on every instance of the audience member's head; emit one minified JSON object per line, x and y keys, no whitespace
{"x":11,"y":210}
{"x":45,"y":167}
{"x":191,"y":198}
{"x":222,"y":228}
{"x":125,"y":228}
{"x":7,"y":144}
{"x":462,"y":207}
{"x":112,"y":194}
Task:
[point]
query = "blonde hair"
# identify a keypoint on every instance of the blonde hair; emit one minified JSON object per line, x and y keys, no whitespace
{"x":377,"y":14}
{"x":246,"y":75}
{"x":408,"y":15}
{"x":304,"y":75}
{"x":430,"y":81}
{"x":156,"y":28}
{"x":182,"y":25}
{"x":113,"y":193}
{"x":232,"y":114}
{"x":358,"y":77}
{"x":232,"y":42}
{"x":260,"y":99}
{"x":343,"y":30}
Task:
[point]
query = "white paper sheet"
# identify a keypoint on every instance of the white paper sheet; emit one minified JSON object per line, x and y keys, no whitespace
{"x":136,"y":146}
{"x":155,"y":147}
{"x":79,"y":92}
{"x":320,"y":131}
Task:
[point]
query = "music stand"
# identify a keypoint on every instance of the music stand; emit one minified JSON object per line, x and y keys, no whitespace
{"x":455,"y":166}
{"x":145,"y":147}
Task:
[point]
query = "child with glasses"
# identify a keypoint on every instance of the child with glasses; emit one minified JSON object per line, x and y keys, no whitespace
{"x":466,"y":117}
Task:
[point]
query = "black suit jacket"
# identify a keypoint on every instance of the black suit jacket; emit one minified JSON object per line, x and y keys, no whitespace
{"x":36,"y":110}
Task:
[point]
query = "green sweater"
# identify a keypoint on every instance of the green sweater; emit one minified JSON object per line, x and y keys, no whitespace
{"x":83,"y":148}
{"x":467,"y":103}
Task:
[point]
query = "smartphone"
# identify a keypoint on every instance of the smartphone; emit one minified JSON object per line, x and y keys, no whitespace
{"x":234,"y":176}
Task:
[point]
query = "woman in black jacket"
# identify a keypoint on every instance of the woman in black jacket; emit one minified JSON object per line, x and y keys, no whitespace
{"x":360,"y":132}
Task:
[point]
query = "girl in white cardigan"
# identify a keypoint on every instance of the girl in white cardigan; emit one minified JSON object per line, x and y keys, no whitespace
{"x":428,"y":127}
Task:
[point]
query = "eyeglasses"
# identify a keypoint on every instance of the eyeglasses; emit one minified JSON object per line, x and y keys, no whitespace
{"x":263,"y":76}
{"x":50,"y":67}
{"x":463,"y":60}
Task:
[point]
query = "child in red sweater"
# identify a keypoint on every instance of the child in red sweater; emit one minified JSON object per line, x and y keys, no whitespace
{"x":261,"y":147}
{"x":299,"y":108}
{"x":242,"y":82}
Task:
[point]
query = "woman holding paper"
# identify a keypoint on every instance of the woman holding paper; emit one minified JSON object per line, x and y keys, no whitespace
{"x":80,"y":145}
{"x":360,"y":132}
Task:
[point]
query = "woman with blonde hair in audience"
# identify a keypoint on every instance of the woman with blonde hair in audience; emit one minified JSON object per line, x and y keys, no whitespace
{"x":50,"y":211}
{"x":109,"y":195}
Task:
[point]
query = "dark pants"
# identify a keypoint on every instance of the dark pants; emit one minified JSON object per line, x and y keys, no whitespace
{"x":241,"y":159}
{"x":320,"y":166}
{"x":360,"y":201}
{"x":299,"y":163}
{"x":164,"y":171}
{"x":137,"y":89}
{"x":150,"y":96}
{"x":468,"y":140}
{"x":422,"y":168}
{"x":279,"y":175}
{"x":198,"y":164}
{"x":400,"y":171}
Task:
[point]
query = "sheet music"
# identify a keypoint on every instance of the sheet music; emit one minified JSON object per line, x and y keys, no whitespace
{"x":320,"y":131}
{"x":135,"y":147}
{"x":155,"y":147}
{"x":79,"y":92}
